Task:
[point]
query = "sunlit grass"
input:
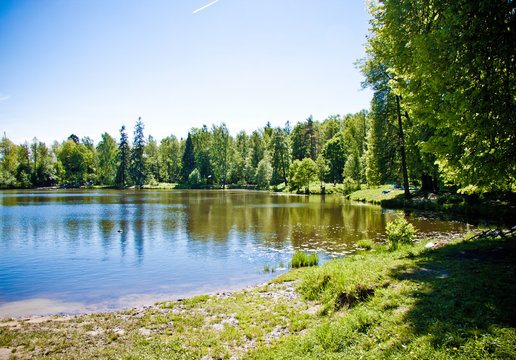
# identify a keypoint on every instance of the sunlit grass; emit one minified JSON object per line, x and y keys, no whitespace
{"x":375,"y":195}
{"x":301,"y":259}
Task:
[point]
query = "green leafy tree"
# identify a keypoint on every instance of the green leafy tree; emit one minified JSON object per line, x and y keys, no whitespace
{"x":303,"y":173}
{"x":8,"y":163}
{"x":280,"y":152}
{"x":257,"y":144}
{"x":221,"y":152}
{"x":170,"y":159}
{"x":336,"y":153}
{"x":107,"y":151}
{"x":263,"y":173}
{"x":353,"y":167}
{"x":44,"y":171}
{"x":202,"y":140}
{"x":75,"y":160}
{"x":153,"y":163}
{"x":453,"y":64}
{"x":241,"y":155}
{"x":92,"y":159}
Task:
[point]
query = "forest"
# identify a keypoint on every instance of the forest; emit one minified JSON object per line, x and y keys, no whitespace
{"x":442,"y":116}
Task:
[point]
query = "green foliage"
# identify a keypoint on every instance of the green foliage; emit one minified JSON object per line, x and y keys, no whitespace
{"x":75,"y":159}
{"x":399,"y":232}
{"x":195,"y":179}
{"x":123,"y":159}
{"x":365,"y":244}
{"x":263,"y":173}
{"x":280,"y":156}
{"x":221,"y":153}
{"x":302,"y":173}
{"x":137,"y":165}
{"x":202,"y":141}
{"x":336,"y":153}
{"x":188,"y":159}
{"x":301,"y":259}
{"x":170,"y":160}
{"x":454,"y":65}
{"x":107,"y":151}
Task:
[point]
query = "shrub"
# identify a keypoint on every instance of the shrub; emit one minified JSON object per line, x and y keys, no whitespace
{"x":300,"y":259}
{"x":365,"y":244}
{"x":399,"y":231}
{"x":195,"y":179}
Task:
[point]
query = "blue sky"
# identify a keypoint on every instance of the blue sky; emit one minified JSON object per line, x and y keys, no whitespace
{"x":89,"y":66}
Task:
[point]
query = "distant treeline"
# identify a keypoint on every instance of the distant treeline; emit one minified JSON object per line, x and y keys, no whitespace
{"x":331,"y":150}
{"x":443,"y":112}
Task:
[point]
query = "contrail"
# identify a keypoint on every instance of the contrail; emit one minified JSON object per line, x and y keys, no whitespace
{"x":205,"y":6}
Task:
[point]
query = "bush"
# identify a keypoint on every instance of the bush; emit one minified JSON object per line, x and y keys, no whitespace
{"x":195,"y":179}
{"x":300,"y":259}
{"x":399,"y":231}
{"x":365,"y":244}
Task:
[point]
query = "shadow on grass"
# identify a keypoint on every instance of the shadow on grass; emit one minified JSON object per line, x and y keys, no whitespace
{"x":459,"y":207}
{"x":467,"y":292}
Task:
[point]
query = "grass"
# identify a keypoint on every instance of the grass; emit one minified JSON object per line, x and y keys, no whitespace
{"x":452,"y":302}
{"x":301,"y":259}
{"x":365,"y":244}
{"x":375,"y":195}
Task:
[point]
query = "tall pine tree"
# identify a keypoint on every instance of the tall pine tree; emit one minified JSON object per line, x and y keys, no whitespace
{"x":188,"y":159}
{"x":137,"y":166}
{"x":123,"y":159}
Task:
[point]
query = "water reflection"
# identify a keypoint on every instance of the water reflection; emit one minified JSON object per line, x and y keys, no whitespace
{"x":94,"y":246}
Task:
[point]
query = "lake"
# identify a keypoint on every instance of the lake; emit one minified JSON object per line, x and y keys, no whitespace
{"x":72,"y":251}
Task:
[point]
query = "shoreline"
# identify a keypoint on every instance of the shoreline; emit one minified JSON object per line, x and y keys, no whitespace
{"x":370,"y":303}
{"x":46,"y":307}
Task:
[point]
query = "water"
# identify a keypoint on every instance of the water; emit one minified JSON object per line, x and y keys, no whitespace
{"x":67,"y":251}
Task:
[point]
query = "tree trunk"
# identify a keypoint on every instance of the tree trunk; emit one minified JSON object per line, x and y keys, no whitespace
{"x":402,"y":151}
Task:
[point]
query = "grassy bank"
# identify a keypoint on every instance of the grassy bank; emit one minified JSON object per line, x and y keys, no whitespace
{"x":489,"y":207}
{"x":453,"y":301}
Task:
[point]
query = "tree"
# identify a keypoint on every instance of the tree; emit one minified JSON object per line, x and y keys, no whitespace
{"x":152,"y":156}
{"x":202,"y":141}
{"x":123,"y":159}
{"x":353,"y":167}
{"x":137,"y":160}
{"x":336,"y":153}
{"x":257,"y":148}
{"x":91,"y":159}
{"x":263,"y":173}
{"x":74,"y":138}
{"x":44,"y":171}
{"x":170,"y":159}
{"x":188,"y":159}
{"x":241,"y":155}
{"x":298,"y":142}
{"x":302,"y":173}
{"x":75,"y":160}
{"x":454,"y":65}
{"x":8,"y":162}
{"x":312,"y":138}
{"x":220,"y":153}
{"x":107,"y":154}
{"x":280,"y":151}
